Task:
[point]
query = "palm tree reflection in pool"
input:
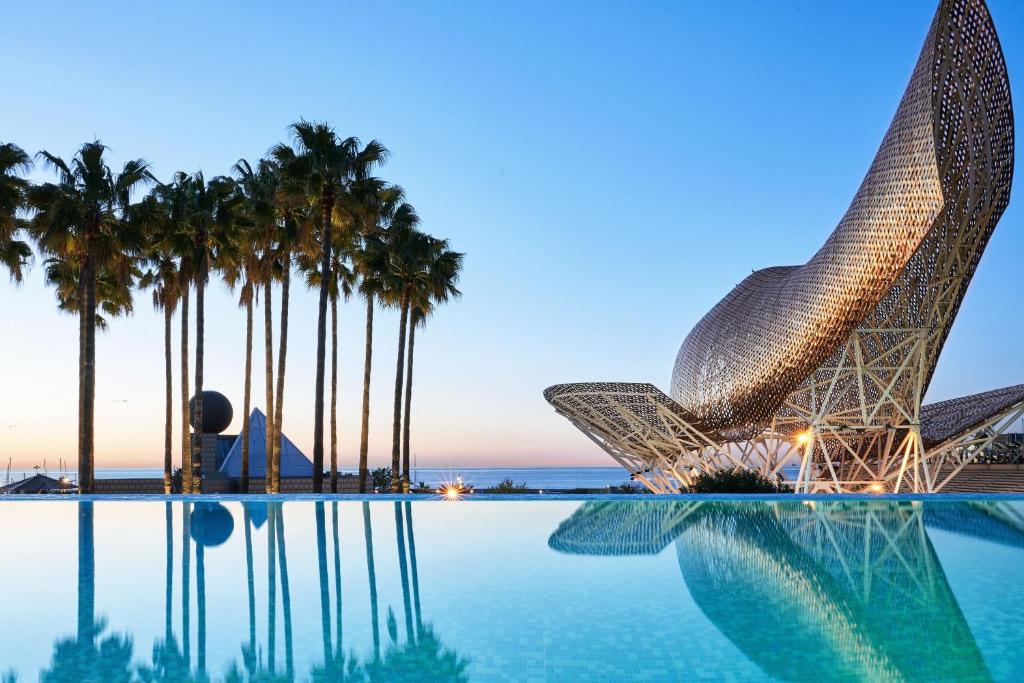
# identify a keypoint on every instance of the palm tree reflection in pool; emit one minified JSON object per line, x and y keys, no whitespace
{"x":418,"y":654}
{"x":89,"y":655}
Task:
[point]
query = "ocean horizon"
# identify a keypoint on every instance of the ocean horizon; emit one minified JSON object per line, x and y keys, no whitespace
{"x":479,"y":477}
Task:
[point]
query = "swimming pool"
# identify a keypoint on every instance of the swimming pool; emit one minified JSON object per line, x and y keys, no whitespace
{"x":602,"y":588}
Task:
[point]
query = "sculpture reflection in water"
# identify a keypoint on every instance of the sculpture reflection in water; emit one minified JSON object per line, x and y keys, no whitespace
{"x":813,"y":590}
{"x":93,"y":654}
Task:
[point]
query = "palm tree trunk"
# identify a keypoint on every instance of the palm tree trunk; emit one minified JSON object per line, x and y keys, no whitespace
{"x":247,"y":392}
{"x":186,"y":443}
{"x":364,"y":430}
{"x":81,"y":370}
{"x":408,"y":402}
{"x":396,"y":424}
{"x":86,"y":451}
{"x":168,"y":397}
{"x":268,"y":378}
{"x":282,"y":353}
{"x":334,"y":393}
{"x":197,"y":430}
{"x":327,"y":206}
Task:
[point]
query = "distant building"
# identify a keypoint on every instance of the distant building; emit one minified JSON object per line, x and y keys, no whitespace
{"x":38,"y":484}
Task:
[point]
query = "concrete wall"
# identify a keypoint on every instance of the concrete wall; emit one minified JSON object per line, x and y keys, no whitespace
{"x":129,"y":486}
{"x":346,"y":484}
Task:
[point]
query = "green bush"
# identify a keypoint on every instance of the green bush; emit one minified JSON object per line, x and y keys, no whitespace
{"x":382,"y":479}
{"x":631,"y":488}
{"x":736,"y":481}
{"x":507,"y":486}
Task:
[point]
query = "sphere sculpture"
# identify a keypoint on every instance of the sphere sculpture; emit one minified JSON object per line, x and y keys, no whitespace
{"x":217,"y":412}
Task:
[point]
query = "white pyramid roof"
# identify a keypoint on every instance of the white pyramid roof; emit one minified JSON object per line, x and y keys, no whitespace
{"x":293,"y":462}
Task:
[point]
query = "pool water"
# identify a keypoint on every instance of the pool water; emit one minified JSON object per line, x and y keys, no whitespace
{"x":511,"y":590}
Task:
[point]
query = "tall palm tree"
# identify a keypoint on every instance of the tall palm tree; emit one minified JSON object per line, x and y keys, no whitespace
{"x":377,"y":206}
{"x":342,"y":280}
{"x":14,"y":254}
{"x":325,"y":165}
{"x":175,"y":203}
{"x":293,"y":236}
{"x":444,"y":267}
{"x":163,"y":276}
{"x":214,"y":207}
{"x":408,"y":256}
{"x":80,"y":219}
{"x":255,"y":238}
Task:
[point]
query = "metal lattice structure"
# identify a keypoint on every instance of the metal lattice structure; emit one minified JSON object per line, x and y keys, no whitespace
{"x":828,"y":362}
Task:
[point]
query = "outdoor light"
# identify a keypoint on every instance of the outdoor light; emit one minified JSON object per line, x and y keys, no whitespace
{"x":451,"y":493}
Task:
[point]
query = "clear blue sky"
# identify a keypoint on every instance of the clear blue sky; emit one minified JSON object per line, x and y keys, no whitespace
{"x":611,"y":170}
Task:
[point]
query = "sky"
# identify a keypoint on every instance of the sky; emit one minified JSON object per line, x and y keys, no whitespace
{"x":611,"y":170}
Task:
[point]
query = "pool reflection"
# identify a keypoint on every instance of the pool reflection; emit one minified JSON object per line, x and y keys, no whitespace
{"x":94,"y":653}
{"x":813,"y":590}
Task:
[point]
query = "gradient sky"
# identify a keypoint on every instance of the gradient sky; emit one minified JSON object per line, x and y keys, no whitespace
{"x":611,"y":171}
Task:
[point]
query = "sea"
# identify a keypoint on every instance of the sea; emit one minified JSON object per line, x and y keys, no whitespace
{"x":477,"y":477}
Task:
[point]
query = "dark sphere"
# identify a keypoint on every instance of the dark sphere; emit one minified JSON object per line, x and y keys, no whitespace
{"x":217,"y":412}
{"x":211,"y":524}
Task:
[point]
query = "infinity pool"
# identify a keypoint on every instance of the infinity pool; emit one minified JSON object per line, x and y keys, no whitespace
{"x":510,"y":590}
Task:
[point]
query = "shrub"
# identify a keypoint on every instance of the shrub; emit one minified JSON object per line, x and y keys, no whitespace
{"x":507,"y":486}
{"x":736,"y":481}
{"x":382,"y":479}
{"x":631,"y":488}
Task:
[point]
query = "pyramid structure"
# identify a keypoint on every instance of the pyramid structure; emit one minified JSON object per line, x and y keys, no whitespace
{"x":293,"y":462}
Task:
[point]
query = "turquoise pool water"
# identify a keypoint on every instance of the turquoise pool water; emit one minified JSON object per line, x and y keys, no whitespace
{"x":511,"y":590}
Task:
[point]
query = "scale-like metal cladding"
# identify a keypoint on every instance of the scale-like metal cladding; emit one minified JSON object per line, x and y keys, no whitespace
{"x":902,"y":255}
{"x":945,"y":420}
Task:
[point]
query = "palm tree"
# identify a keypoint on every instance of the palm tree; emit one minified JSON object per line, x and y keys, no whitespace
{"x":341,"y":282}
{"x":80,"y":219}
{"x":175,"y":203}
{"x":325,"y":165}
{"x":376,"y":206}
{"x":293,"y":236}
{"x":443,"y":269}
{"x":14,"y":254}
{"x":408,"y":255}
{"x":164,"y":278}
{"x":258,"y":187}
{"x":214,"y":206}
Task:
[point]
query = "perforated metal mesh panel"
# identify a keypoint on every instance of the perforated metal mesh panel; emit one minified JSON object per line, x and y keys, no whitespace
{"x":902,"y":255}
